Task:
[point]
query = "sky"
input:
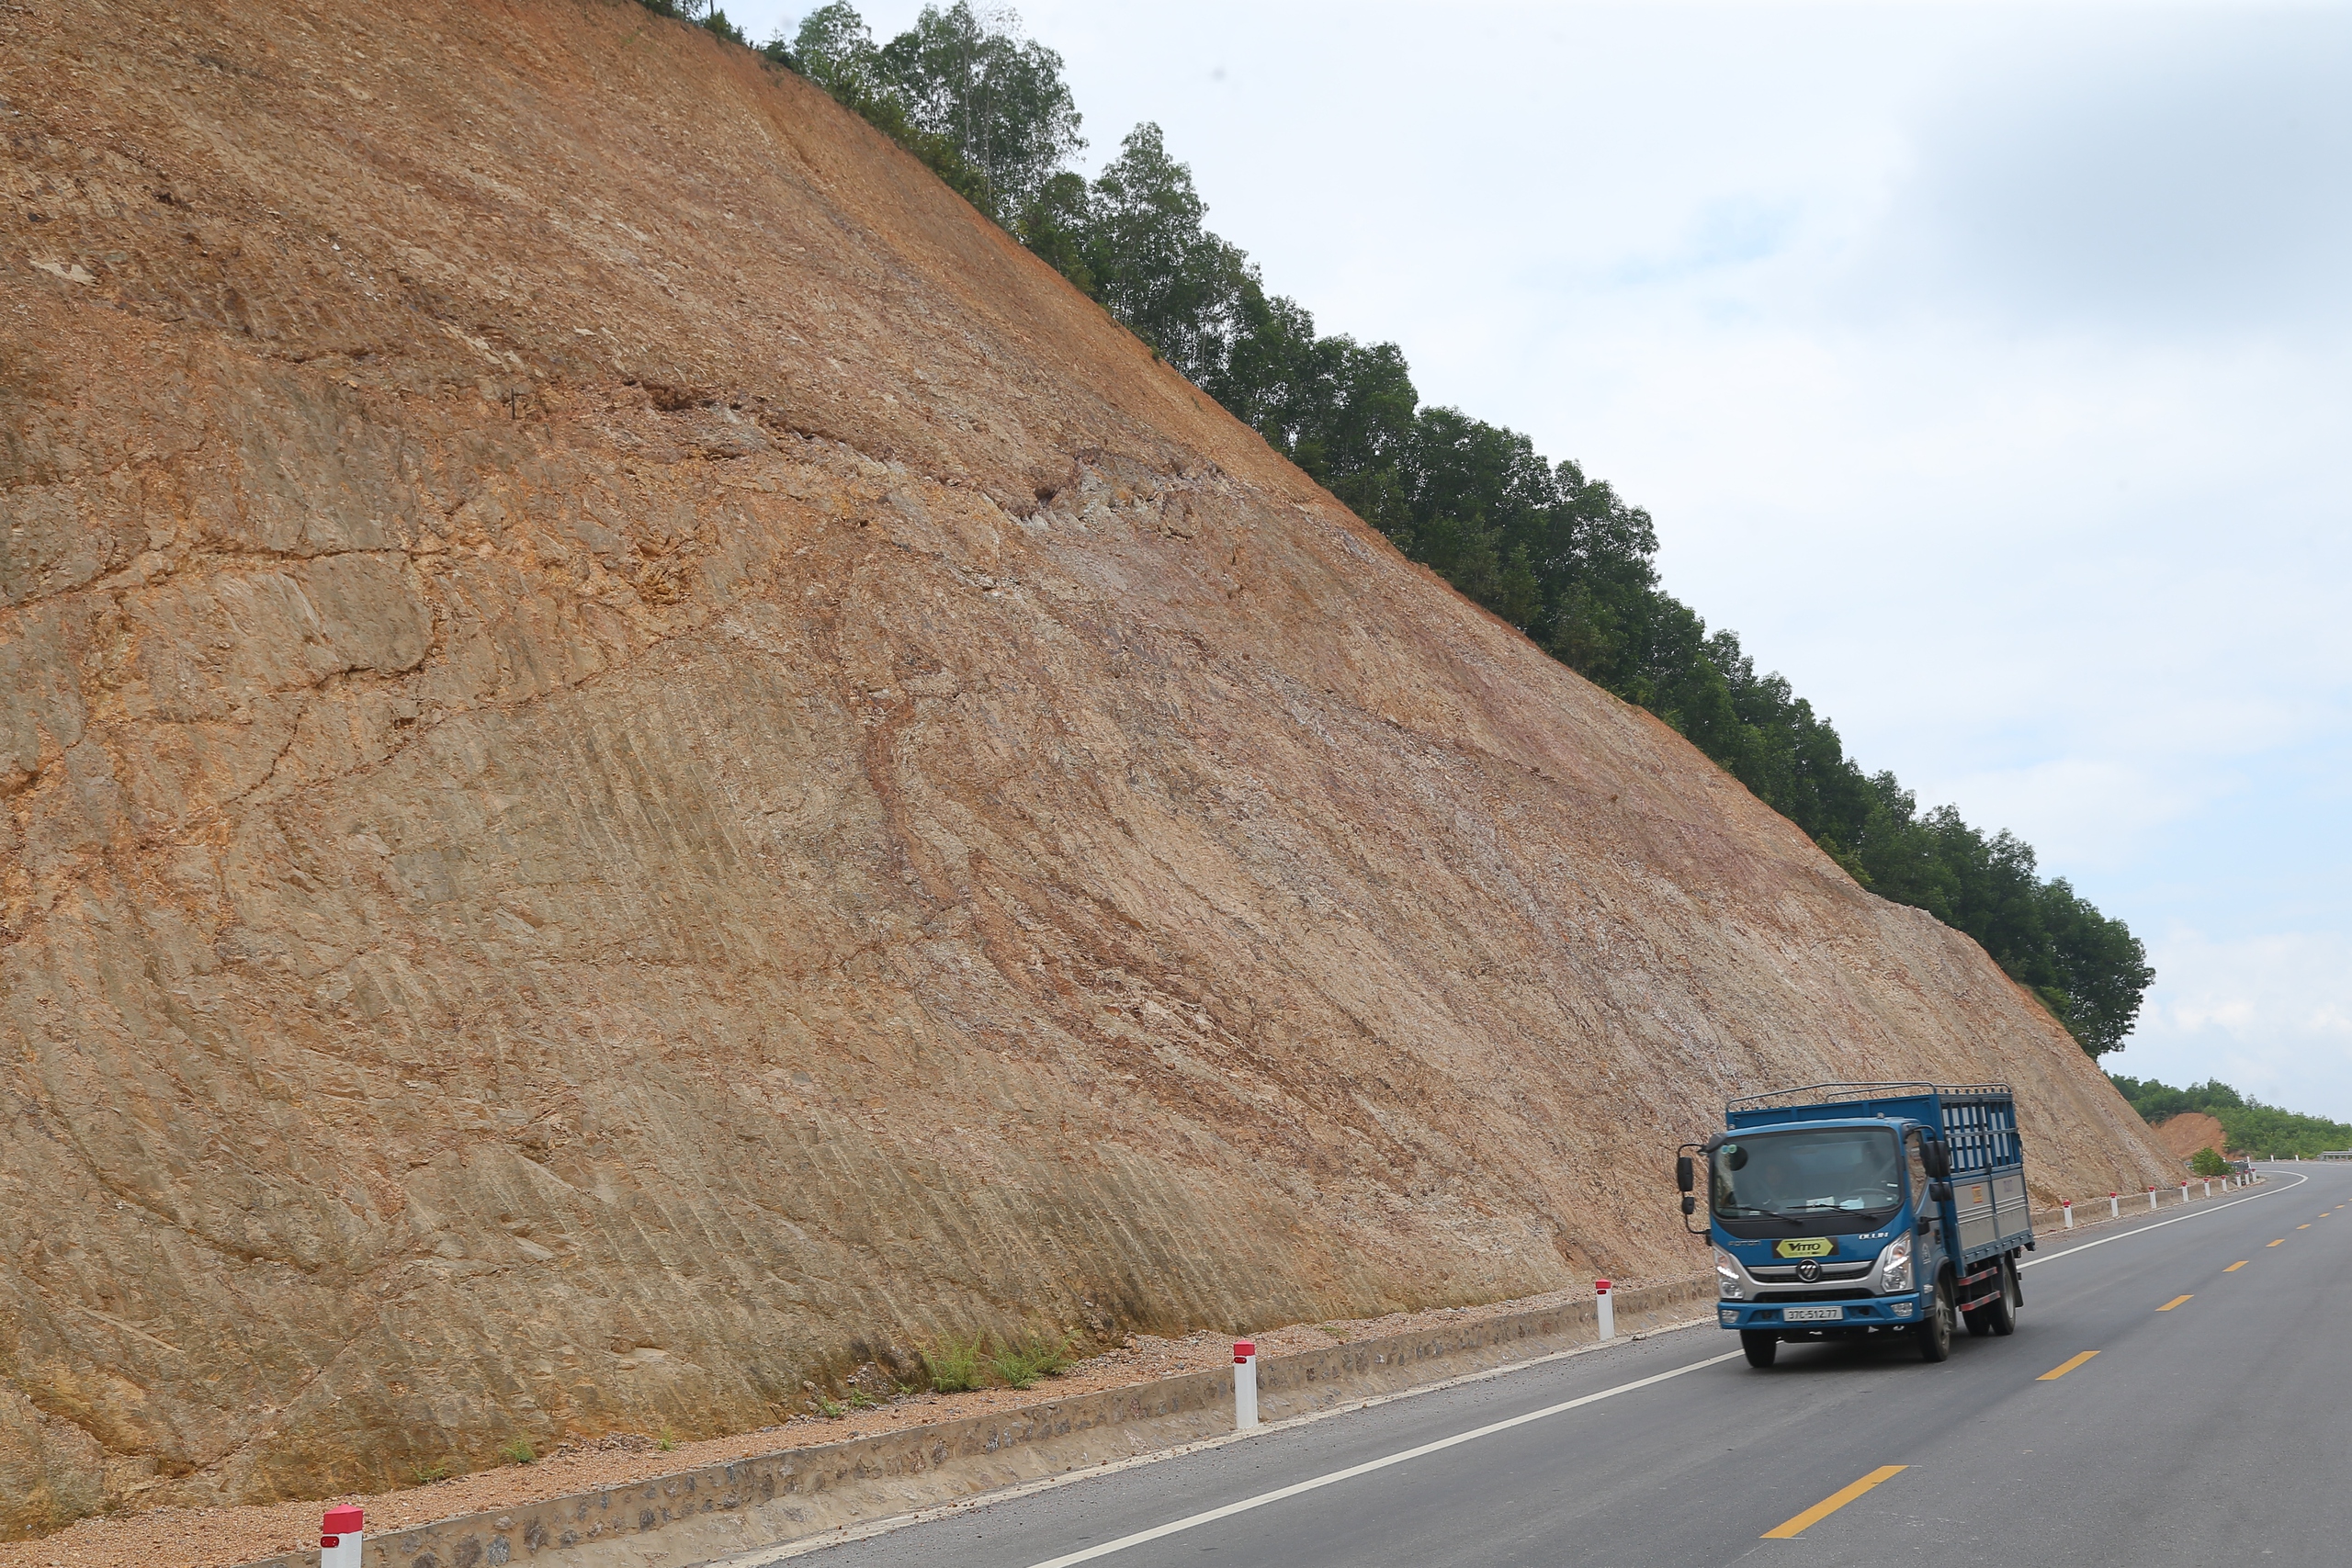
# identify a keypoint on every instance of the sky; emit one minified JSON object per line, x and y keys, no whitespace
{"x":1983,"y":367}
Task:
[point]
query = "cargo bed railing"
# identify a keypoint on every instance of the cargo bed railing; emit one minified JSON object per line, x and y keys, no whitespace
{"x":1829,"y":1093}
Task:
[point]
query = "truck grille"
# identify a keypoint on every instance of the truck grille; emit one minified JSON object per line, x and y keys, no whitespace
{"x":1812,"y":1295}
{"x":1767,"y":1273}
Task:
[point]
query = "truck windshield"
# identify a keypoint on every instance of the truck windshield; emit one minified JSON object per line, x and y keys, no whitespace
{"x":1834,"y":1179}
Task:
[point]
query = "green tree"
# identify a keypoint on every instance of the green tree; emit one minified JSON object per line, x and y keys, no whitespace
{"x":2207,"y":1162}
{"x":996,"y":98}
{"x":836,"y":50}
{"x":1174,"y":284}
{"x":1055,"y":223}
{"x":704,"y":13}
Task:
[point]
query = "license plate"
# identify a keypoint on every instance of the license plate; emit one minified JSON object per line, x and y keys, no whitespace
{"x":1813,"y":1315}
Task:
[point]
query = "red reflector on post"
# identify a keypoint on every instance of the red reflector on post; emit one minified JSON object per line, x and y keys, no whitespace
{"x":1242,"y":1351}
{"x":345,"y":1520}
{"x":329,"y":1543}
{"x":1600,"y":1287}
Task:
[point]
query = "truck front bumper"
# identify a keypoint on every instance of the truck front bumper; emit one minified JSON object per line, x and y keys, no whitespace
{"x":1872,"y":1312}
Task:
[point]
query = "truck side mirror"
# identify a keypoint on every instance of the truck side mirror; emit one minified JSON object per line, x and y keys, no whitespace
{"x":1939,"y":1191}
{"x":1685,"y":1176}
{"x":1938,"y":1155}
{"x":1690,"y":1206}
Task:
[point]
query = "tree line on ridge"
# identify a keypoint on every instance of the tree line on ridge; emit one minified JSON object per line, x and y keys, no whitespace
{"x":2247,"y":1125}
{"x":1553,"y":551}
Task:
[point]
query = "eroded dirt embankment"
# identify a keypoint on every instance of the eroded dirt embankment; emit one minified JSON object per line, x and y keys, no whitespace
{"x":2181,"y":1136}
{"x":642,"y":765}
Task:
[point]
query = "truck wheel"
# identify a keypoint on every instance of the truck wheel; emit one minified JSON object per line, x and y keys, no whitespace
{"x":1935,"y":1334}
{"x":2001,"y":1316}
{"x":1760,"y":1347}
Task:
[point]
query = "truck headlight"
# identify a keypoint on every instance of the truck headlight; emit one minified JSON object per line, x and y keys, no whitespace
{"x":1726,"y":1276}
{"x":1894,"y":1265}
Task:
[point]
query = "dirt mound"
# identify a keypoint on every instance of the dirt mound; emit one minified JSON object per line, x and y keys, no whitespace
{"x":643,"y":766}
{"x":2181,"y":1136}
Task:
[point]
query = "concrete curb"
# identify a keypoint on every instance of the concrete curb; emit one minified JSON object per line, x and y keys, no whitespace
{"x":2049,"y":1223}
{"x":714,"y":1511}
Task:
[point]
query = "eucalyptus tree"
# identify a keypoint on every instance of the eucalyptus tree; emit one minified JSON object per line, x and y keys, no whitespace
{"x":1154,"y":263}
{"x":972,"y":79}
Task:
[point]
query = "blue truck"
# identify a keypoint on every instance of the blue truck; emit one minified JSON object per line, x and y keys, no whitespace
{"x":1862,"y":1210}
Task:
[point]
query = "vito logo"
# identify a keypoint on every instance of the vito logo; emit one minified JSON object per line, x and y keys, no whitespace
{"x":1804,"y":1247}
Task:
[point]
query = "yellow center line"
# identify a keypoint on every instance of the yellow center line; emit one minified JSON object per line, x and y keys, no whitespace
{"x":2174,"y":1302}
{"x":2303,"y":1227}
{"x":2062,"y":1368}
{"x":2281,"y":1242}
{"x":1832,"y":1503}
{"x":2235,"y":1266}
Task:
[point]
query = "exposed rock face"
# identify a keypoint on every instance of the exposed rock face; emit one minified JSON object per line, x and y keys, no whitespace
{"x":642,"y":763}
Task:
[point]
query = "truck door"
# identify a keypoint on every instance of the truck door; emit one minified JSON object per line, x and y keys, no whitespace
{"x":1915,"y":1157}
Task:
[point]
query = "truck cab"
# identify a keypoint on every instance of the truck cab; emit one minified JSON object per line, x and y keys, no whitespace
{"x":1856,"y":1211}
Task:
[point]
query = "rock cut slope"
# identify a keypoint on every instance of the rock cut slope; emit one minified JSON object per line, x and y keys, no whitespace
{"x":642,"y":764}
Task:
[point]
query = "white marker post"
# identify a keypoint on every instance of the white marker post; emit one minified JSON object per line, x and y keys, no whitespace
{"x":339,"y":1539}
{"x":2114,"y":1207}
{"x":1608,"y":1310}
{"x":2152,"y":1200}
{"x":2184,"y":1192}
{"x":2208,"y":1189}
{"x":1245,"y":1388}
{"x":2068,"y":1205}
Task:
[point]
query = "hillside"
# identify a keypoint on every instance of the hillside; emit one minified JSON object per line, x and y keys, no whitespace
{"x":1552,"y":549}
{"x":643,"y":763}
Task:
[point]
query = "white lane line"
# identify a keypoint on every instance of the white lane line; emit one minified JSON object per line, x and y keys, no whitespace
{"x":1262,"y":1499}
{"x":2127,"y":1235}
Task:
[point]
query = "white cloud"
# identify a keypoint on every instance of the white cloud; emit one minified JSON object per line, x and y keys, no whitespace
{"x":2270,"y":1015}
{"x":2183,"y":172}
{"x":2086,"y":812}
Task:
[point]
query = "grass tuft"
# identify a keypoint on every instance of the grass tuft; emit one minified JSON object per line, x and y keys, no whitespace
{"x":954,"y":1367}
{"x":1022,"y":1364}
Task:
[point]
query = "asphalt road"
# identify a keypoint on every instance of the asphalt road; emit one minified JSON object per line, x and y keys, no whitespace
{"x":2212,"y":1424}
